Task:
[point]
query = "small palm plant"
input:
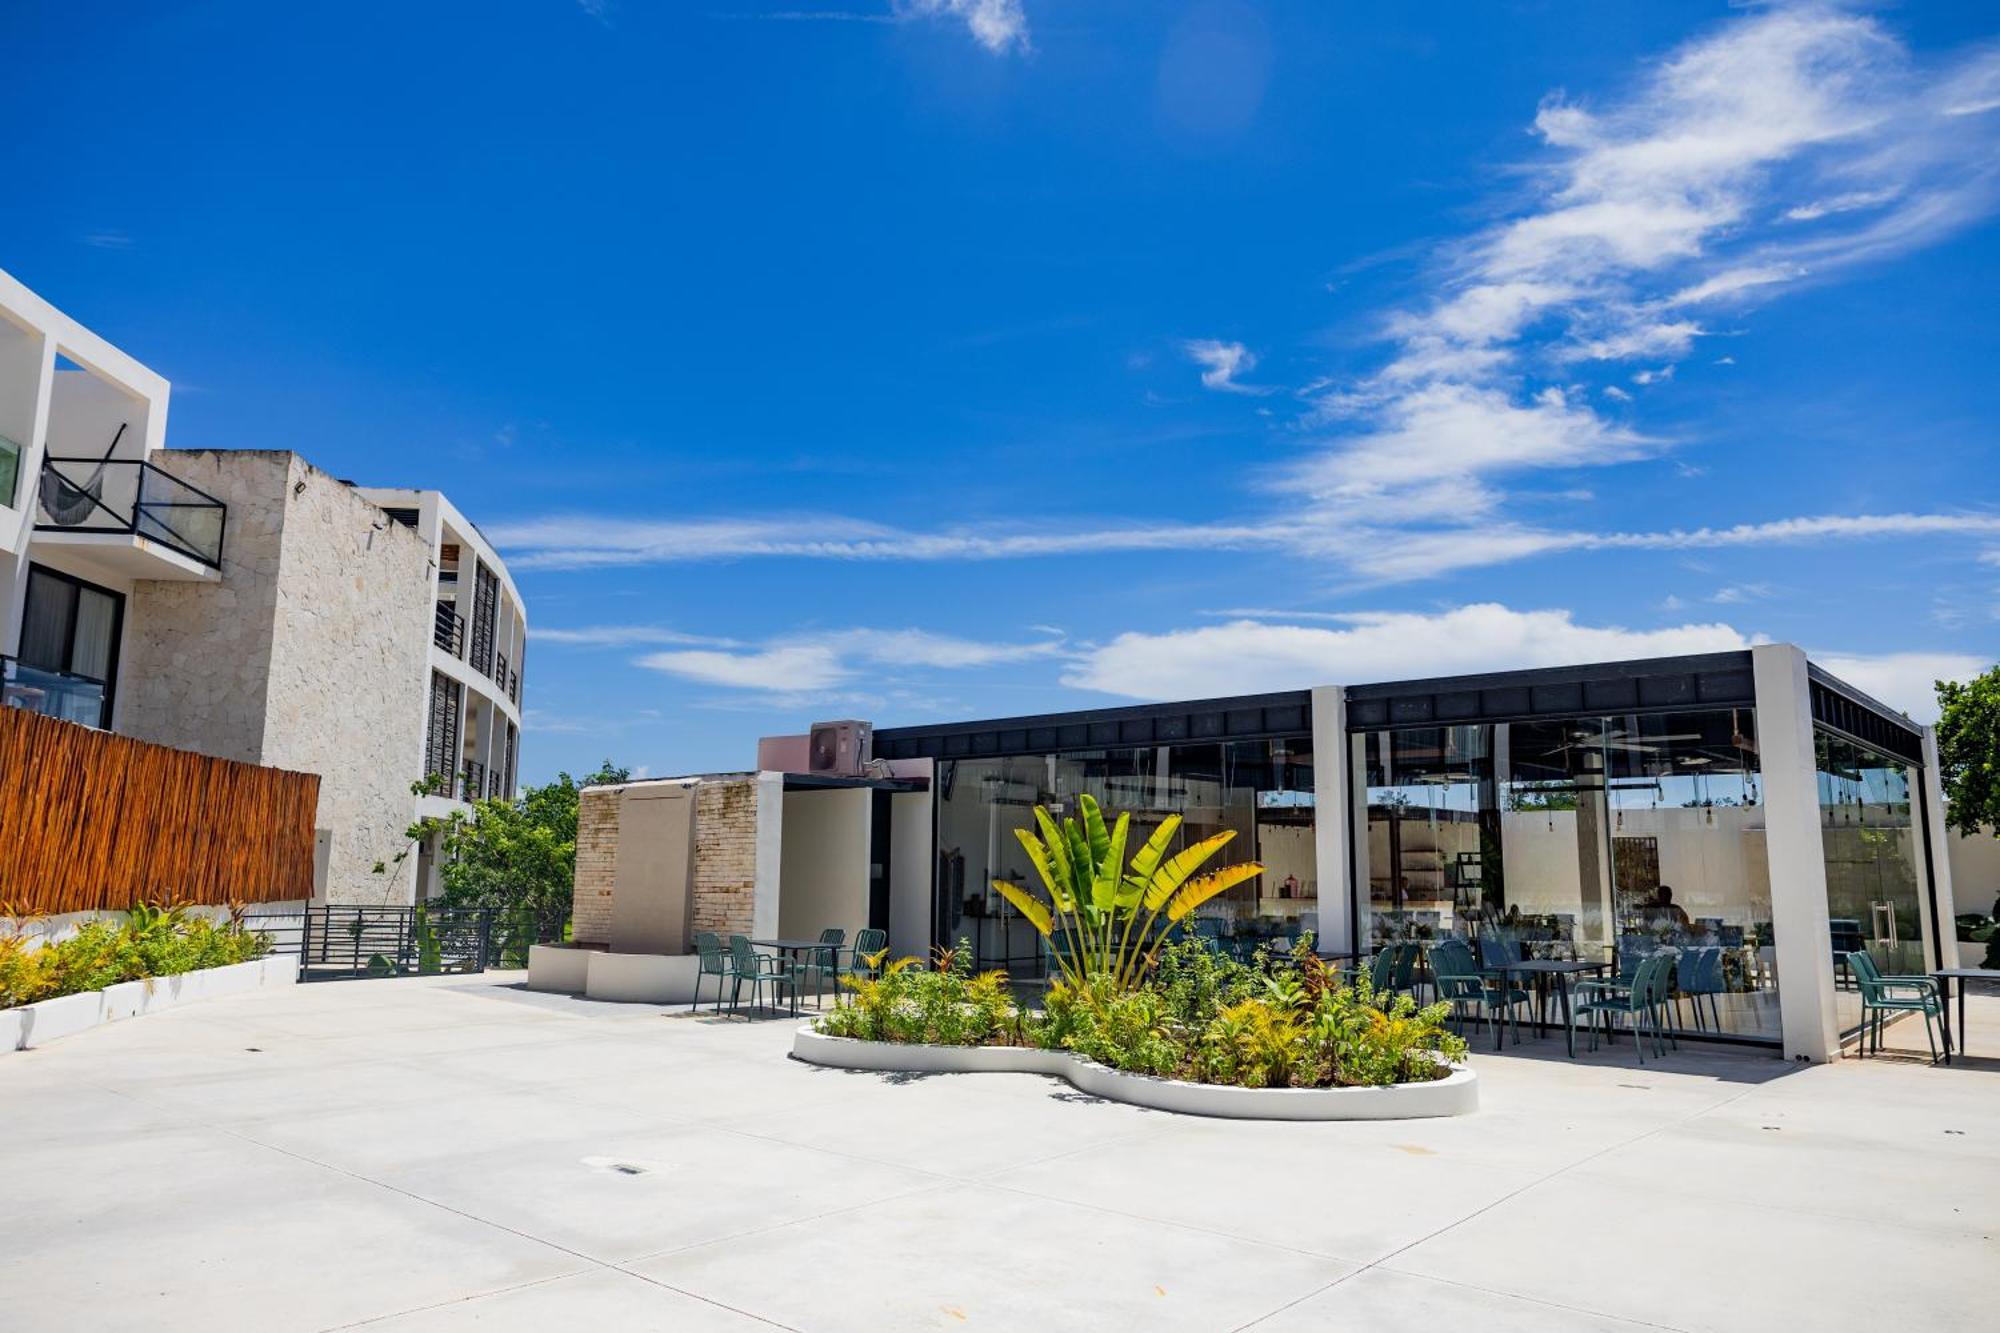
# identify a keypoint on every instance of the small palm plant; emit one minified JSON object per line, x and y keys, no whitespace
{"x":1103,"y":916}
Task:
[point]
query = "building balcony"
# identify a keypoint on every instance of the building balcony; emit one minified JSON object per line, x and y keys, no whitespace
{"x":448,"y":631}
{"x":58,"y":694}
{"x":132,"y":517}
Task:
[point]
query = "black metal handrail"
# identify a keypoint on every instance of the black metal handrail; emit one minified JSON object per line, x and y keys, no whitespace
{"x":130,"y":495}
{"x":448,"y":631}
{"x":472,"y":782}
{"x":499,"y":672}
{"x":333,"y":942}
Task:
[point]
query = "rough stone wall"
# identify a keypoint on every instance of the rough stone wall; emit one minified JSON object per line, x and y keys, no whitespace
{"x":197,"y":656}
{"x":315,"y":644}
{"x":725,"y":855}
{"x":596,"y":864}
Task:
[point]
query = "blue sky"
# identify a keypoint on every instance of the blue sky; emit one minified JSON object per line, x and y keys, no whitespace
{"x":929,"y":359}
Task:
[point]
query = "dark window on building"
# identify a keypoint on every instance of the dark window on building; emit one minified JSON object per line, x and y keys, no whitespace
{"x":72,"y":628}
{"x":441,"y":736}
{"x":485,"y":605}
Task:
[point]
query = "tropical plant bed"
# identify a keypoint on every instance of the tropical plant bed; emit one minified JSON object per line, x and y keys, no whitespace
{"x":44,"y":1021}
{"x":1457,"y":1093}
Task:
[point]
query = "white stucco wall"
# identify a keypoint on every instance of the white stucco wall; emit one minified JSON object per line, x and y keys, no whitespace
{"x":823,"y":880}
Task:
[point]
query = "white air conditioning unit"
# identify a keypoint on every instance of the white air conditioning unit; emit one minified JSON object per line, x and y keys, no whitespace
{"x":841,"y":749}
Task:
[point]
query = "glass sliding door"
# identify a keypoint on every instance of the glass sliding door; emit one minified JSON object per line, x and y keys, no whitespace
{"x":68,"y":660}
{"x":1868,"y":837}
{"x":1262,"y":791}
{"x":1599,"y":838}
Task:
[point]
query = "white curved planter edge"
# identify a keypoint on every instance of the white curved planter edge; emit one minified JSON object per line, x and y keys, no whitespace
{"x":44,"y":1021}
{"x":1455,"y":1094}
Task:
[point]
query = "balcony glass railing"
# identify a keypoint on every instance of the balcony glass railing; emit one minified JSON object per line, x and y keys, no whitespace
{"x":10,"y":471}
{"x":57,"y":694}
{"x":131,"y":496}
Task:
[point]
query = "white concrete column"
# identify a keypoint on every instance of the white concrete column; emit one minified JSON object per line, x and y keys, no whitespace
{"x":1797,"y":855}
{"x":765,"y":890}
{"x":1333,"y":817}
{"x":1934,"y":841}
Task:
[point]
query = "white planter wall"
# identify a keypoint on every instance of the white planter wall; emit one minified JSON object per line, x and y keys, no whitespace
{"x":1455,"y":1094}
{"x":44,"y":1021}
{"x":597,"y":974}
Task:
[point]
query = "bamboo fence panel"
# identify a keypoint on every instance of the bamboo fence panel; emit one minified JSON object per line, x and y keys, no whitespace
{"x":91,"y":821}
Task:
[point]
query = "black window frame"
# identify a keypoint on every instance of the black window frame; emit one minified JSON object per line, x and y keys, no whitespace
{"x":68,"y":668}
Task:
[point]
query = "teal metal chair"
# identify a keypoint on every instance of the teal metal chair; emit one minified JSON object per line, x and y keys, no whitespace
{"x":715,"y":962}
{"x":868,"y":942}
{"x":1640,"y":1003}
{"x":823,"y":963}
{"x":760,"y":970}
{"x":1461,"y":985}
{"x":1882,"y":996}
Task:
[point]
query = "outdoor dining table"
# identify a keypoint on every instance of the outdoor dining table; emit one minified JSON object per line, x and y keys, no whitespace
{"x":800,"y":951}
{"x":1543,"y":972}
{"x":1962,"y":975}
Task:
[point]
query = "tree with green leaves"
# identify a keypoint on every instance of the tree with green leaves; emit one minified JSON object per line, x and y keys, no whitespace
{"x":1968,"y":741}
{"x":515,"y":854}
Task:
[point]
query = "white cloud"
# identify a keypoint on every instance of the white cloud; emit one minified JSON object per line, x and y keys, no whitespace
{"x":1903,"y":680}
{"x":1738,"y":593}
{"x":1248,"y":655}
{"x":611,"y":636}
{"x":1840,"y":203}
{"x":998,"y":25}
{"x":806,"y":664}
{"x":1221,"y":363}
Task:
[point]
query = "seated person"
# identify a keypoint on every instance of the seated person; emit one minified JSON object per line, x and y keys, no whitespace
{"x":1662,"y":910}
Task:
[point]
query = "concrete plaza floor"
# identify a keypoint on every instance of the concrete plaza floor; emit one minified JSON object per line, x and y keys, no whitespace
{"x":458,"y":1153}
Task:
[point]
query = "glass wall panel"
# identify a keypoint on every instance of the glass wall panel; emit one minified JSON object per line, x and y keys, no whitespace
{"x":1594,"y":838}
{"x":1868,"y":837}
{"x":1260,"y":790}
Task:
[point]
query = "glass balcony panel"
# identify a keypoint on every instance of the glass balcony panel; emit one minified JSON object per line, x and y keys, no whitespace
{"x":130,"y":495}
{"x":57,"y":694}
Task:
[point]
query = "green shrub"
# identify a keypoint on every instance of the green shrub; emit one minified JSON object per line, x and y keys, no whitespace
{"x":151,"y":941}
{"x":946,"y":1005}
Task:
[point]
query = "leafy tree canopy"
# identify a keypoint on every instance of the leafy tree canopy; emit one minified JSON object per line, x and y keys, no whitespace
{"x":1968,"y":739}
{"x":519,"y":853}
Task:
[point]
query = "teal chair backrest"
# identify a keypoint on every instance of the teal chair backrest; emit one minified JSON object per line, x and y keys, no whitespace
{"x":1382,"y":972}
{"x":1457,"y":978}
{"x":1654,"y":979}
{"x":746,"y":956}
{"x":1406,"y":965}
{"x":869,"y":941}
{"x":1701,"y":970}
{"x":1864,"y":969}
{"x":713,"y":959}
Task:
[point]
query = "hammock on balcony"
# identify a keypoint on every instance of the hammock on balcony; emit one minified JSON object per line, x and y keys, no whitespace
{"x":68,"y":503}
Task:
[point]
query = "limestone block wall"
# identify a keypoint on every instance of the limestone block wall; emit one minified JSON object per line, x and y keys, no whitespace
{"x":596,"y":864}
{"x":197,"y":656}
{"x":310,"y":654}
{"x":725,"y":859}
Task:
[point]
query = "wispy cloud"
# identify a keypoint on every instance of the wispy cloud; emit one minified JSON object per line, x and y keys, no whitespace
{"x":1786,"y":143}
{"x":108,"y":239}
{"x":586,"y":543}
{"x":625,"y":636}
{"x":1221,"y":362}
{"x":998,"y":25}
{"x":1248,"y":655}
{"x":812,"y":663}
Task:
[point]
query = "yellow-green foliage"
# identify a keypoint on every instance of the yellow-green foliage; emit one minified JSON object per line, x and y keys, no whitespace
{"x":947,"y":1005}
{"x":151,"y":941}
{"x":1105,"y":917}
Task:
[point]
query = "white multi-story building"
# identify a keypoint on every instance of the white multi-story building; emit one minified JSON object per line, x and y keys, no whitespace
{"x":245,"y":604}
{"x":85,"y":512}
{"x":479,"y":636}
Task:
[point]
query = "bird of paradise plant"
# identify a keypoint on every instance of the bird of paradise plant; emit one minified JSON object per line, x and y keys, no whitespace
{"x":1103,"y":915}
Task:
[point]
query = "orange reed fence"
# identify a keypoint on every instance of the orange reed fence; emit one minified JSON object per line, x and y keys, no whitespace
{"x":90,"y":821}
